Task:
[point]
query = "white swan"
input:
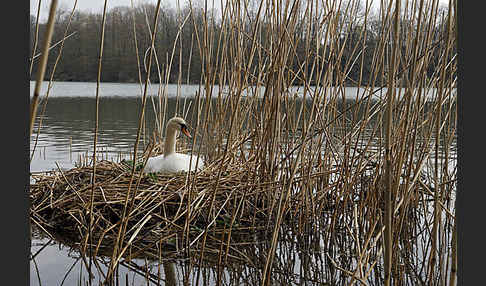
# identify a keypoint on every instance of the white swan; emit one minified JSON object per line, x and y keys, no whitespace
{"x":170,"y":161}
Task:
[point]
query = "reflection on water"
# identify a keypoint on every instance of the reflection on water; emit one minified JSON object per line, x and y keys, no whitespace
{"x":298,"y":259}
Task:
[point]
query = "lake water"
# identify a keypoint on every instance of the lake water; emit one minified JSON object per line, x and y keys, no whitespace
{"x":66,"y":137}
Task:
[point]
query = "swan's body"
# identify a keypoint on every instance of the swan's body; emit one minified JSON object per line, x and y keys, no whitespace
{"x":170,"y":161}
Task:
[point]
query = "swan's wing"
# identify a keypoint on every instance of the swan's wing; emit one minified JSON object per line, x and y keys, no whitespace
{"x":153,"y":164}
{"x":181,"y":162}
{"x":173,"y":163}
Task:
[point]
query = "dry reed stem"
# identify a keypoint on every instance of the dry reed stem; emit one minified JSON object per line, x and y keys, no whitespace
{"x":58,"y":42}
{"x":58,"y":58}
{"x":42,"y":64}
{"x":36,"y":36}
{"x":389,"y":180}
{"x":89,"y":234}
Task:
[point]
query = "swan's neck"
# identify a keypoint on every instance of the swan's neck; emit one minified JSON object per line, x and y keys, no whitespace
{"x":170,"y":141}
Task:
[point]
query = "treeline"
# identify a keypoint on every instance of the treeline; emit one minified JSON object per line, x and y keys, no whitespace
{"x":178,"y":54}
{"x":79,"y":61}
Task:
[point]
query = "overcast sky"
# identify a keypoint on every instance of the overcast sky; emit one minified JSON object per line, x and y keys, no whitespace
{"x":96,"y":6}
{"x":91,"y":5}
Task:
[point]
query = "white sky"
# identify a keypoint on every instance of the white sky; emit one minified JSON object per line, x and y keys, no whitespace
{"x":96,"y":6}
{"x":91,"y":5}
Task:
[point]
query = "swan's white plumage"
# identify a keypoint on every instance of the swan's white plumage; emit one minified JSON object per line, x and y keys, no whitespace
{"x":173,"y":163}
{"x":170,"y":161}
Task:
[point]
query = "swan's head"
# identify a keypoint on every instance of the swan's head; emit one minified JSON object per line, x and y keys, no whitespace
{"x":178,"y":123}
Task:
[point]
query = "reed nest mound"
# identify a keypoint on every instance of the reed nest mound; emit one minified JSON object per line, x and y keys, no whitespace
{"x":175,"y":209}
{"x":159,"y":205}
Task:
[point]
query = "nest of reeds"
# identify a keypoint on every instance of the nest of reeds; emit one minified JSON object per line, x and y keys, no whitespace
{"x":230,"y":197}
{"x":171,"y":208}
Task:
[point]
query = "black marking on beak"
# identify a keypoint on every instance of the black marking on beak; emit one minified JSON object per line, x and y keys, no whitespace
{"x":185,"y":130}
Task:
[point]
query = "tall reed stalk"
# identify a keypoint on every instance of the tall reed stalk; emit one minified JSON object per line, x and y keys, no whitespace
{"x":42,"y":64}
{"x":89,"y":234}
{"x":36,"y":36}
{"x":389,"y":192}
{"x":58,"y":58}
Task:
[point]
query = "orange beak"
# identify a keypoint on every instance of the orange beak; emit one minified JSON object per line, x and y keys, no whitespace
{"x":185,"y":131}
